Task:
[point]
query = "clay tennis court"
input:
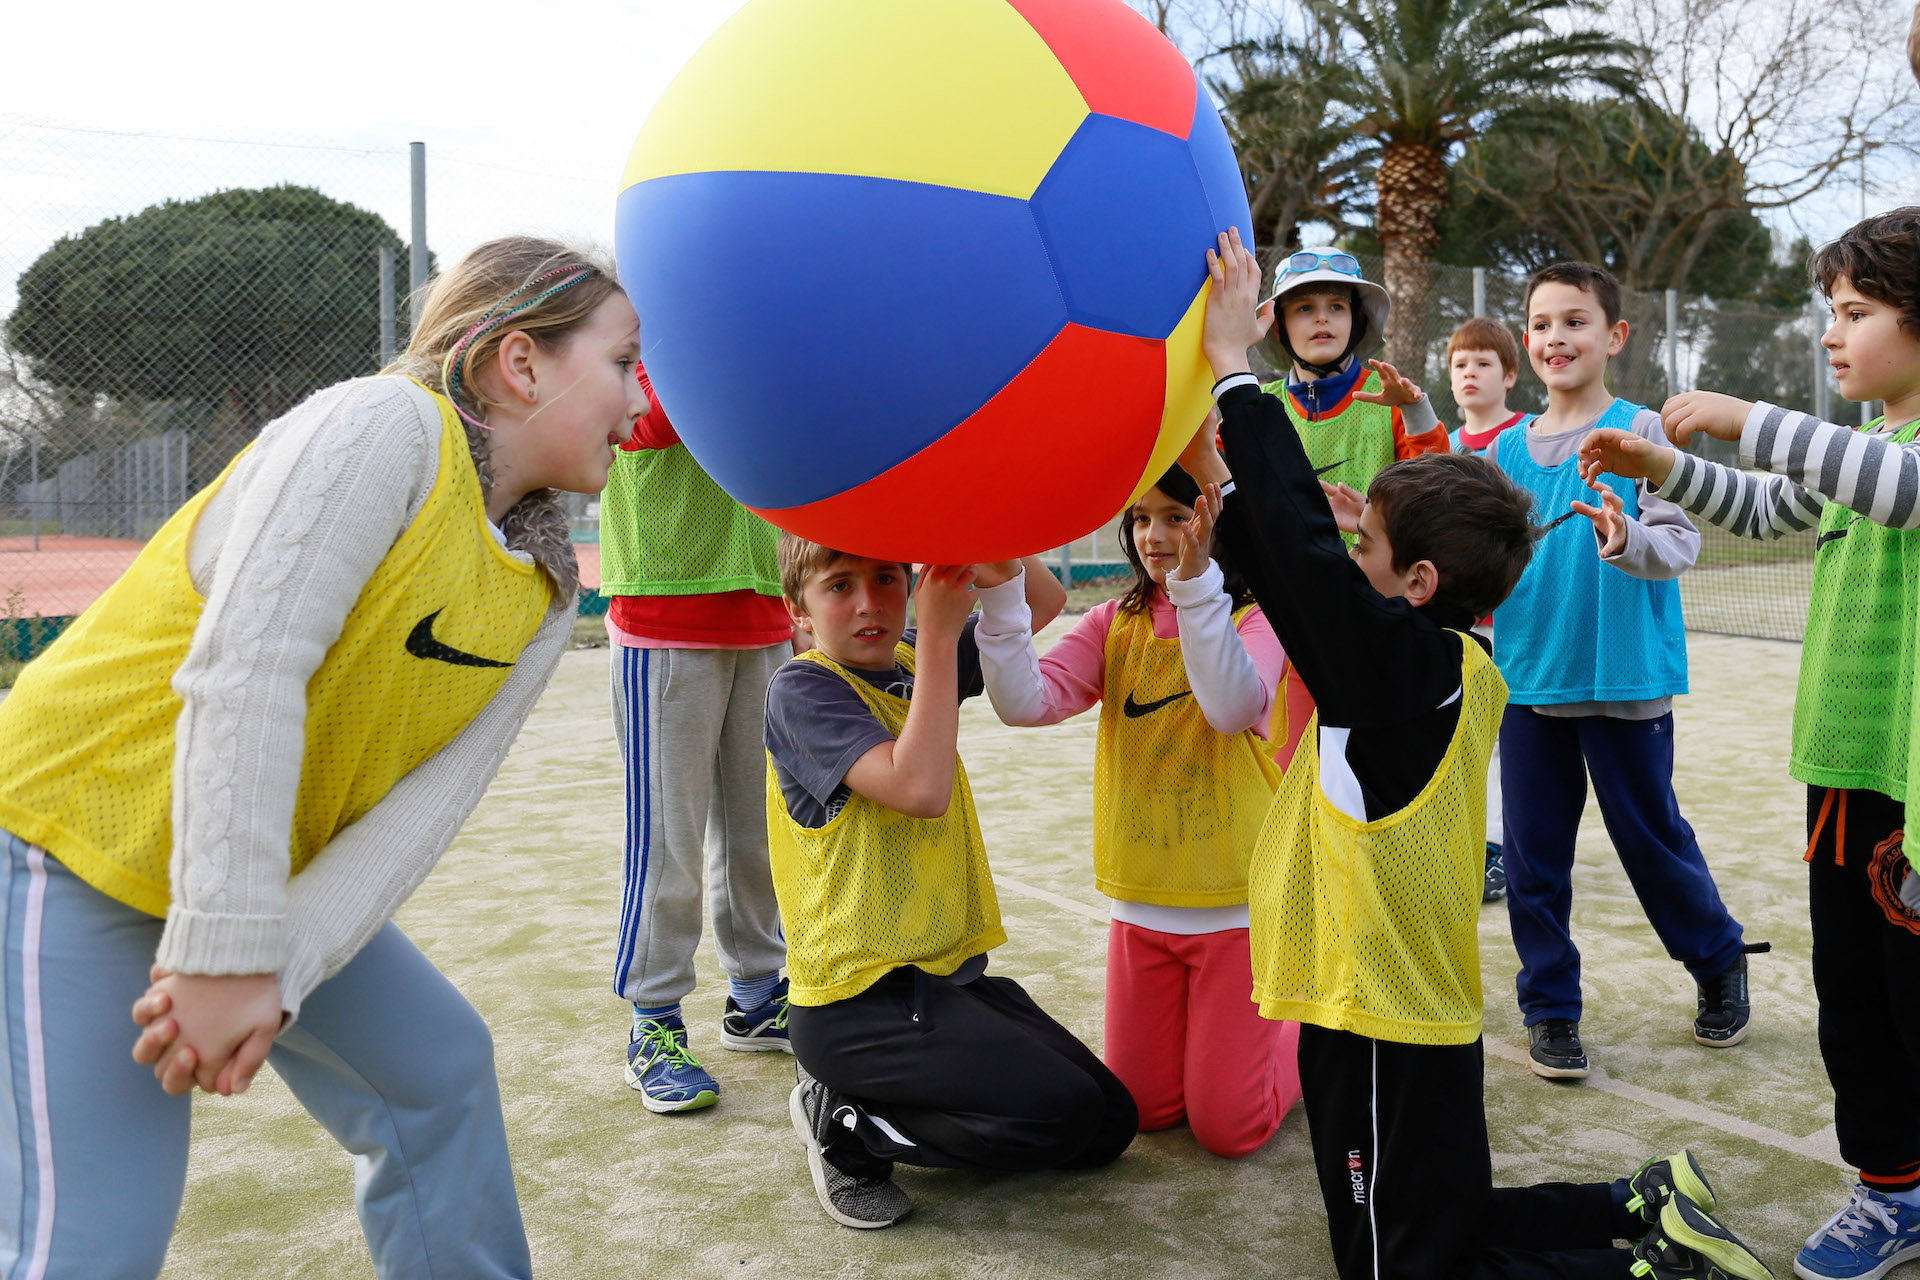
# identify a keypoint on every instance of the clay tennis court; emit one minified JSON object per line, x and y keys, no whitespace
{"x":57,"y":576}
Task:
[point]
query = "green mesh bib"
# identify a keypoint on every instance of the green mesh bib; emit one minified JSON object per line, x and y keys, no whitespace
{"x":1351,"y":447}
{"x":666,"y":529}
{"x":1853,"y":718}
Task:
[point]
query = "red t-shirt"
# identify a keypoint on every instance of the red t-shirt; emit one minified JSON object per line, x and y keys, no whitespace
{"x":718,"y":620}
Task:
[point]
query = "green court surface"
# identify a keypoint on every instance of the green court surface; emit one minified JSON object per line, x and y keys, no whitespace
{"x":521,"y":915}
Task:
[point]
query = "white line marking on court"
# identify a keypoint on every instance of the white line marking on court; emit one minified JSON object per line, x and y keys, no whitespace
{"x":1042,"y":895}
{"x":1821,"y":1145}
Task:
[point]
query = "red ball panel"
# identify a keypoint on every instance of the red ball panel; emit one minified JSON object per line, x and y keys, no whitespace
{"x":1120,"y":64}
{"x":1040,"y":464}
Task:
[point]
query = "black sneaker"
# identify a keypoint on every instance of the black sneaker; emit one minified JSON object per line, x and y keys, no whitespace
{"x":864,"y":1203}
{"x":1554,"y":1050}
{"x":1724,"y":1007}
{"x":1658,"y":1181}
{"x":1690,"y":1244}
{"x":1495,"y":886}
{"x":757,"y":1030}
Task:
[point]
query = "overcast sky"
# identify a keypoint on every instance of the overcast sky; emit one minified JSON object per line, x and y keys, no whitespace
{"x":527,"y":108}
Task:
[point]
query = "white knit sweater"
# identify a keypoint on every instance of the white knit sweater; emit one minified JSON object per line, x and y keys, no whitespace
{"x":281,"y":554}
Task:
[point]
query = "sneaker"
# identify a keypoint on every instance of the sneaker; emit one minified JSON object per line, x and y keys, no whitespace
{"x":864,"y":1203}
{"x":1658,"y":1181}
{"x":1690,"y":1244}
{"x":1495,"y":886}
{"x":1724,"y":1008}
{"x":1554,"y":1050}
{"x":759,"y":1030}
{"x":1870,"y":1236}
{"x":666,"y":1075}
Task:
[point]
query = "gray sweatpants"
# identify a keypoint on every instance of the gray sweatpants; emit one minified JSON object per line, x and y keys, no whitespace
{"x":387,"y":1055}
{"x":692,"y":730}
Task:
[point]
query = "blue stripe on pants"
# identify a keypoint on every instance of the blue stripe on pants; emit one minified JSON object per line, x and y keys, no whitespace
{"x":1544,"y":765}
{"x":636,"y":745}
{"x":387,"y":1056}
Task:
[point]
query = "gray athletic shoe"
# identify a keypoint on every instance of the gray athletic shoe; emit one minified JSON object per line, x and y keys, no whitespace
{"x":864,"y":1203}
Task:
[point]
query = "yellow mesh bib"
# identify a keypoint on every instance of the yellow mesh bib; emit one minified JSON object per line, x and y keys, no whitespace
{"x":1177,"y":806}
{"x":875,"y":889}
{"x":1372,"y":927}
{"x":87,"y":736}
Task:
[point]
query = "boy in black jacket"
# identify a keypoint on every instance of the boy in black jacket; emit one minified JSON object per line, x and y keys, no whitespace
{"x":1366,"y":881}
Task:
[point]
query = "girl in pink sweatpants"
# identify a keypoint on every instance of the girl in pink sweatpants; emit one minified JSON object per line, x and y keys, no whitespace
{"x":1185,"y":670}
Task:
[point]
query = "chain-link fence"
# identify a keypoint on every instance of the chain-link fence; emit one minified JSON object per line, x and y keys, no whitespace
{"x":159,"y":304}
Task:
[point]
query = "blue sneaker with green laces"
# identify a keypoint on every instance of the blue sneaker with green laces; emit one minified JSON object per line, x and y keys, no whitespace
{"x":1870,"y":1236}
{"x":663,"y":1071}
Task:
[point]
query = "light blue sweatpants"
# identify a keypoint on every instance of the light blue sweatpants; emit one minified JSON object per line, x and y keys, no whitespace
{"x":387,"y":1055}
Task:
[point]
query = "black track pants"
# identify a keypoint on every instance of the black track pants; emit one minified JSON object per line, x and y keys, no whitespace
{"x":1400,"y":1145}
{"x":1866,"y":957}
{"x":974,"y":1076}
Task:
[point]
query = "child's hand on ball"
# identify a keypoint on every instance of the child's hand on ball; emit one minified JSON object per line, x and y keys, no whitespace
{"x":943,"y":599}
{"x":1236,"y":318}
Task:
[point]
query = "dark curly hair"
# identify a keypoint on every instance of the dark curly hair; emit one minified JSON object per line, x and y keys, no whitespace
{"x":1881,"y":258}
{"x":1179,"y":486}
{"x":1466,"y":516}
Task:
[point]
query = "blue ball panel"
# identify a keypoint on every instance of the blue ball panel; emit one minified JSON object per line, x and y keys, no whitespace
{"x":1219,"y":170}
{"x":1124,"y":215}
{"x":808,"y":331}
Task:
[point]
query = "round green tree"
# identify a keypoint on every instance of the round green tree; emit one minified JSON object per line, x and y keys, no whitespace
{"x":243,"y":300}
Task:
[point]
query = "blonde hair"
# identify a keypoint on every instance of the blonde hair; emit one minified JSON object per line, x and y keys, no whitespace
{"x":446,"y":350}
{"x":494,"y":291}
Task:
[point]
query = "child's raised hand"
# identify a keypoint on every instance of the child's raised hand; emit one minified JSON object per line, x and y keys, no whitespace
{"x":942,"y":600}
{"x":1196,"y":535}
{"x":1236,"y":318}
{"x":1624,"y":454}
{"x":1722,"y":417}
{"x":213,"y":1030}
{"x":995,"y":573}
{"x":1609,"y":521}
{"x":1347,"y":503}
{"x":1394,"y":391}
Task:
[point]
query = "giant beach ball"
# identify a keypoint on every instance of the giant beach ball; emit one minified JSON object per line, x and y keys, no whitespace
{"x":924,"y":279}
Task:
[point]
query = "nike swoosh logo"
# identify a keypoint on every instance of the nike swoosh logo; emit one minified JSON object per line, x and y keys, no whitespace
{"x":1331,"y":465}
{"x":1834,"y":535}
{"x":1134,"y":710}
{"x":421,"y":644}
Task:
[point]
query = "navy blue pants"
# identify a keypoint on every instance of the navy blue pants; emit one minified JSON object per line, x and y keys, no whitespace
{"x":1544,"y":765}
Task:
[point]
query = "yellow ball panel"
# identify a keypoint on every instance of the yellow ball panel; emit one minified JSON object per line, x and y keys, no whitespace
{"x":1189,"y":392}
{"x":955,"y":93}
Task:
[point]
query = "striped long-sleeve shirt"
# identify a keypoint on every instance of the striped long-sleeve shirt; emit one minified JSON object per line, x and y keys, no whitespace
{"x":1812,"y":463}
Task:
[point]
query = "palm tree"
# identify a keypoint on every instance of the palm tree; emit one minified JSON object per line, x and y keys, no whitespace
{"x":1426,"y":75}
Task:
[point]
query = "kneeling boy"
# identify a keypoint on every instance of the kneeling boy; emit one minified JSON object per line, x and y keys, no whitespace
{"x":908,"y":1049}
{"x":1365,"y":883}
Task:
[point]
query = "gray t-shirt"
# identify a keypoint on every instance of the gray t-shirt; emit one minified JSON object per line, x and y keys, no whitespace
{"x":817,"y":726}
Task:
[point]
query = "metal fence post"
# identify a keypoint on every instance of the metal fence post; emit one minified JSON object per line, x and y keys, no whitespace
{"x":33,"y":462}
{"x":417,"y":259}
{"x":1479,"y":291}
{"x":1673,"y":342}
{"x":1066,"y":566}
{"x":386,"y":306}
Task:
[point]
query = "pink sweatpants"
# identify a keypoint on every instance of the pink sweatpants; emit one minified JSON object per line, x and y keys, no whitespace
{"x":1185,"y":1037}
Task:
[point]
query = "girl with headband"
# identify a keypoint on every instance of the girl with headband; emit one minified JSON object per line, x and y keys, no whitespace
{"x":223,"y":779}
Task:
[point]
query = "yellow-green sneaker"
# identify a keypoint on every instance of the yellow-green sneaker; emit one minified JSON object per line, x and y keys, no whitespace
{"x":1690,"y":1244}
